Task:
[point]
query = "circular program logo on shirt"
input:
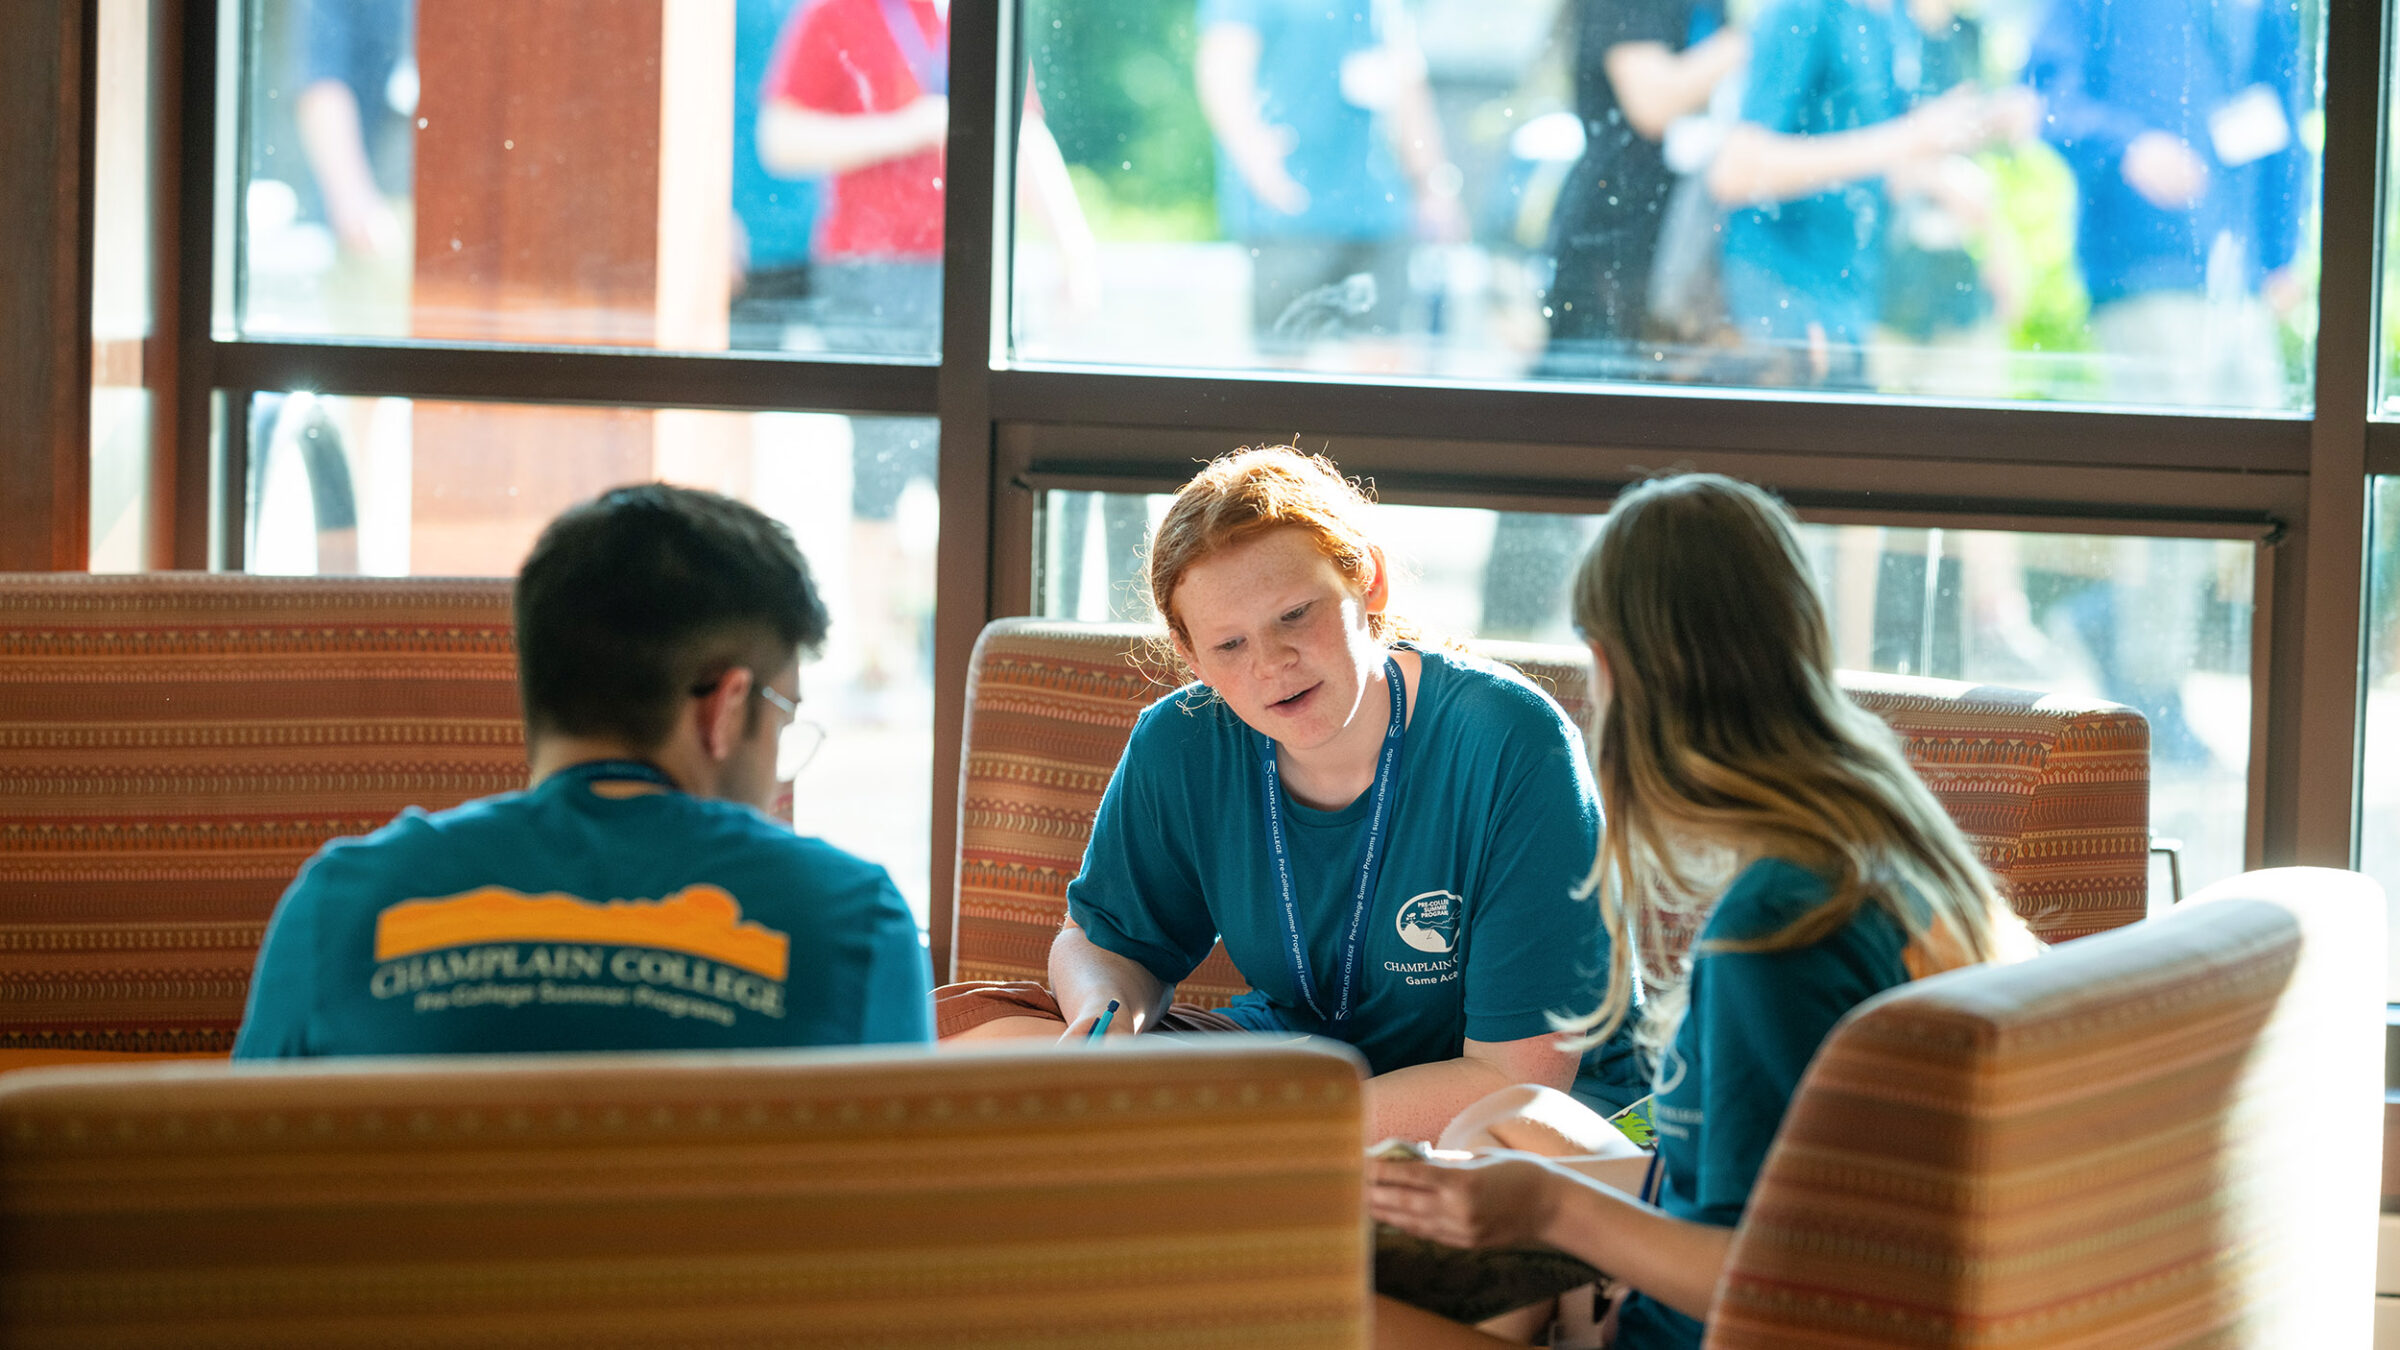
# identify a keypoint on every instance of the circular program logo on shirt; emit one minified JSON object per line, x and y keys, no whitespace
{"x":1429,"y":922}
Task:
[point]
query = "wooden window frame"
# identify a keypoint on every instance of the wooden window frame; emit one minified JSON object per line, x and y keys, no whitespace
{"x":2300,"y":485}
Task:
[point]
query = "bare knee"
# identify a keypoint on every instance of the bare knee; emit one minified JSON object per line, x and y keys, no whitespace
{"x":1006,"y":1029}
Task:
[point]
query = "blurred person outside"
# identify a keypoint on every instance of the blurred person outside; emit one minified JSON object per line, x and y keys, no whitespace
{"x":1638,"y":66}
{"x":2179,"y":118}
{"x":356,"y":115}
{"x":858,"y":91}
{"x":1951,"y":286}
{"x":775,"y":217}
{"x":634,"y":896}
{"x":1330,"y":164}
{"x":1834,"y":122}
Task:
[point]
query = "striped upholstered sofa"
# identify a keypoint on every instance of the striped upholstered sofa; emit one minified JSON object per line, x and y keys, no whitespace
{"x":2053,"y":792}
{"x":174,"y":746}
{"x":900,"y":1200}
{"x":2166,"y":1135}
{"x":2161,"y":1136}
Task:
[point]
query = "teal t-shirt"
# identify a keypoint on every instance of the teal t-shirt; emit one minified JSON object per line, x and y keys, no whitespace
{"x":1818,"y":68}
{"x":1473,"y":931}
{"x":1754,"y":1022}
{"x":562,"y":919}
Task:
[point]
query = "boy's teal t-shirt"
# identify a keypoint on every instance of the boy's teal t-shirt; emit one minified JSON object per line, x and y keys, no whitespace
{"x":1473,"y":932}
{"x":561,"y":919}
{"x":1754,"y":1021}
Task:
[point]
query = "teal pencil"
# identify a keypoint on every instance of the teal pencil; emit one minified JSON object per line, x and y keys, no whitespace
{"x":1107,"y":1015}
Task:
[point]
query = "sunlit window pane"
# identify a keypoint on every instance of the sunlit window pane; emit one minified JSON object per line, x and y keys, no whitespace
{"x":122,"y":270}
{"x":2379,"y":823}
{"x":391,"y":487}
{"x":690,"y":174}
{"x":2162,"y":625}
{"x":2107,"y":201}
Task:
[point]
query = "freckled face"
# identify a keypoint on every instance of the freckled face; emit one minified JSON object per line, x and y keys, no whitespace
{"x":1276,"y":629}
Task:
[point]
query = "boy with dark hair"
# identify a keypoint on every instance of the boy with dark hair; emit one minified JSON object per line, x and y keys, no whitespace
{"x":632,"y":897}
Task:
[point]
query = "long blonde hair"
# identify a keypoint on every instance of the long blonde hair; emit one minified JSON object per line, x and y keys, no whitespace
{"x":1728,"y":728}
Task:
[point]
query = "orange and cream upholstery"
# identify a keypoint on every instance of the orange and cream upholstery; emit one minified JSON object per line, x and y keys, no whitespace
{"x":174,"y":746}
{"x":1203,"y":1195}
{"x":2053,"y":792}
{"x":2162,"y":1136}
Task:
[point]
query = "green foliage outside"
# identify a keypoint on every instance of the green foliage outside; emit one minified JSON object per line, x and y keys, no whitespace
{"x":2035,"y":232}
{"x":1117,"y":89}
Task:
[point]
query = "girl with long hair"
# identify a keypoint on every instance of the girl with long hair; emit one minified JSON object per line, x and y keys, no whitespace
{"x":1386,"y":833}
{"x":1724,"y":748}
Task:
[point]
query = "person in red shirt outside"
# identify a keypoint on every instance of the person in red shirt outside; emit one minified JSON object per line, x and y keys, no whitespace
{"x":858,"y":91}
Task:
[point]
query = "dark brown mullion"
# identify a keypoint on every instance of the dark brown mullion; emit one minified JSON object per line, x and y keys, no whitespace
{"x":236,"y":411}
{"x":1555,"y":477}
{"x":1254,"y":408}
{"x":979,"y":184}
{"x":189,"y":490}
{"x":2383,"y":447}
{"x":1817,"y":507}
{"x":741,"y":383}
{"x":2312,"y":781}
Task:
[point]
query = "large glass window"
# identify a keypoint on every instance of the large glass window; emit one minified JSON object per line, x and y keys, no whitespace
{"x":762,"y":174}
{"x":394,"y":487}
{"x":2379,"y":823}
{"x":2160,"y":624}
{"x":2069,"y":200}
{"x":123,"y":407}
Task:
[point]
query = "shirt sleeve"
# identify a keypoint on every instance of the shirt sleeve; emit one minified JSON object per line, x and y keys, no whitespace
{"x":2086,"y":128}
{"x":331,"y":51}
{"x":1783,"y":53}
{"x":897,"y":986}
{"x":808,"y":66}
{"x":1139,"y":894}
{"x":1759,"y":1018}
{"x":1532,"y":948}
{"x":283,"y":985}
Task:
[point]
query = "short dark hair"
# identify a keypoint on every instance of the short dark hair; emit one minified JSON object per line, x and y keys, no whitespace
{"x":631,"y":599}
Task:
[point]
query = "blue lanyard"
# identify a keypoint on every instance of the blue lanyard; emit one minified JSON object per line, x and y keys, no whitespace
{"x":1370,"y":863}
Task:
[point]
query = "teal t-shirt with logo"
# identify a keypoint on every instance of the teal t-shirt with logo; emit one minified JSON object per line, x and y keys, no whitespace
{"x":1473,"y":932}
{"x":562,"y":918}
{"x":1753,"y":1023}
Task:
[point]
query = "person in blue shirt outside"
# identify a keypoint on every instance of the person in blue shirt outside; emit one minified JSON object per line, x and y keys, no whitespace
{"x":1834,"y":118}
{"x":774,"y":217}
{"x":634,"y":897}
{"x":1385,"y":834}
{"x":1743,"y":791}
{"x":1330,"y":163}
{"x":2181,"y":121}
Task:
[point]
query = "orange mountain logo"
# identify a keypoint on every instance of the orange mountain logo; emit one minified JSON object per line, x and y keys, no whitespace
{"x":698,"y":920}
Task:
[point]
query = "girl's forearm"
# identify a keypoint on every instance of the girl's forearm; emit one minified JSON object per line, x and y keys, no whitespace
{"x":1418,"y":1101}
{"x":1673,"y":1260}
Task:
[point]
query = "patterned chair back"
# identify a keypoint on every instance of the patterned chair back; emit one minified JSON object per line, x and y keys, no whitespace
{"x":174,"y":746}
{"x":1205,"y":1194}
{"x":2167,"y":1135}
{"x":2054,"y":793}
